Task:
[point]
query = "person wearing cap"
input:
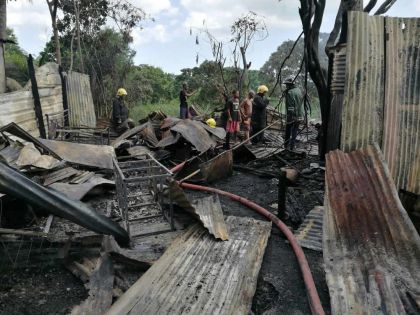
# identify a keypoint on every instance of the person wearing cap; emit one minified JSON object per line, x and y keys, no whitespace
{"x":259,"y":114}
{"x":120,"y":120}
{"x":246,"y":112}
{"x":183,"y":106}
{"x":294,"y":112}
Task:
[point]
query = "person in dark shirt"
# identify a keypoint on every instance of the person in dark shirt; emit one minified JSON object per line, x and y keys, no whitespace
{"x":294,"y":112}
{"x":233,"y":118}
{"x":183,"y":106}
{"x":120,"y":120}
{"x":259,"y":114}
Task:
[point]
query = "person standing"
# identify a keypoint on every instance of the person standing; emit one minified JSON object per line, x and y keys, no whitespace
{"x":183,"y":106}
{"x":246,"y":112}
{"x":259,"y":114}
{"x":120,"y":120}
{"x":233,"y":118}
{"x":294,"y":112}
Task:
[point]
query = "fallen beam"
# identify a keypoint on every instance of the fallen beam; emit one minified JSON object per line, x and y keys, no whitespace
{"x":17,"y":185}
{"x":371,"y":248}
{"x":199,"y":275}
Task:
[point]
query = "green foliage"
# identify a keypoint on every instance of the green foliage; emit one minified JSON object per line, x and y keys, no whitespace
{"x":16,"y":59}
{"x":269,"y":70}
{"x":148,"y":84}
{"x":141,"y":110}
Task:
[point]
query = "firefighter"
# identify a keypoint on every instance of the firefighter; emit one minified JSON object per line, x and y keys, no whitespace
{"x":294,"y":112}
{"x":120,"y":120}
{"x":259,"y":114}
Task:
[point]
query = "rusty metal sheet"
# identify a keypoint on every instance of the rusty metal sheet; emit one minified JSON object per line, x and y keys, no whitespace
{"x":79,"y":191}
{"x":401,"y":141}
{"x":309,"y":234}
{"x":338,"y":80}
{"x":30,"y":156}
{"x":218,"y":167}
{"x":207,"y":210}
{"x":382,"y":92}
{"x":146,"y":132}
{"x":195,"y":133}
{"x":219,"y":133}
{"x":80,"y":101}
{"x":198,"y":275}
{"x":364,"y":91}
{"x":371,"y":248}
{"x":210,"y":212}
{"x":84,"y":154}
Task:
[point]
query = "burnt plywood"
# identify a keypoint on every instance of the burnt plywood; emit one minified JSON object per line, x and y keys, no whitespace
{"x":401,"y":141}
{"x":364,"y":91}
{"x":371,"y":248}
{"x":198,"y":275}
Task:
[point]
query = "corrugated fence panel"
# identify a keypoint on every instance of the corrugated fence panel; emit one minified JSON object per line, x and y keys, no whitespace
{"x":337,"y":94}
{"x":80,"y":101}
{"x":363,"y":94}
{"x":18,"y":107}
{"x":401,"y":142}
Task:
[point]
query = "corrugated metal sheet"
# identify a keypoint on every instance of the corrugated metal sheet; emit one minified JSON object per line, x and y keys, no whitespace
{"x":210,"y":211}
{"x":382,"y":93}
{"x":364,"y":91}
{"x":371,"y":248}
{"x":401,"y":141}
{"x":210,"y":215}
{"x":309,"y":234}
{"x":18,"y":106}
{"x":337,"y":96}
{"x":199,"y":275}
{"x":80,"y":101}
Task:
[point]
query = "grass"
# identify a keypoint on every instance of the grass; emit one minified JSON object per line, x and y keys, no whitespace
{"x":170,"y":108}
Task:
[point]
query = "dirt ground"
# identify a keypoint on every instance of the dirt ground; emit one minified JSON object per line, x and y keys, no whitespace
{"x":280,"y":288}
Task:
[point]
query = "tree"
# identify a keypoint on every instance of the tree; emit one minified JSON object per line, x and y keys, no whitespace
{"x":244,"y":30}
{"x":291,"y":64}
{"x":16,"y":63}
{"x":52,"y":7}
{"x":2,"y":39}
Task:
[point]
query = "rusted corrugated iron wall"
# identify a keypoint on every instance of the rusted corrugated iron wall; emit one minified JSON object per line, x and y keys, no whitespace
{"x":80,"y":101}
{"x":371,"y":248}
{"x":362,"y":118}
{"x":381,"y":97}
{"x":338,"y":80}
{"x":401,"y":141}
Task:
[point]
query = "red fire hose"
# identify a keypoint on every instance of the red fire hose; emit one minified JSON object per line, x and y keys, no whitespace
{"x":314,"y":301}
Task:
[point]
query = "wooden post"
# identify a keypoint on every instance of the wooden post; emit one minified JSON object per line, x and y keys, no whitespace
{"x":64,"y":92}
{"x":282,"y":195}
{"x":37,"y":101}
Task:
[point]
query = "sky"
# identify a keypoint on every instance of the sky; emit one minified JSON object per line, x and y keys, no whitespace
{"x":167,"y":43}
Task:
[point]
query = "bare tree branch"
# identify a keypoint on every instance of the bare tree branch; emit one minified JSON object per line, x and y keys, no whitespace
{"x":385,"y":7}
{"x":370,"y":6}
{"x":337,"y":28}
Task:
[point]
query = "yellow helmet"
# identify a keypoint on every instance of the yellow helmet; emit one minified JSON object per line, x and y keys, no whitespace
{"x":211,"y":122}
{"x":262,"y":89}
{"x":121,"y":92}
